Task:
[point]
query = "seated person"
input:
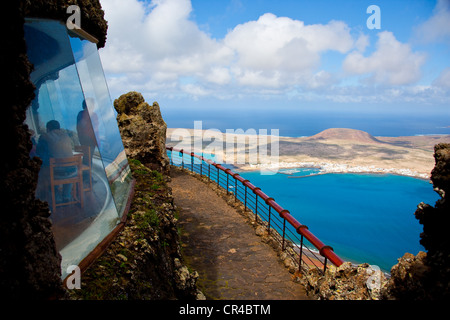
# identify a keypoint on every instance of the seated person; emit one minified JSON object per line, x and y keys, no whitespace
{"x":56,"y":144}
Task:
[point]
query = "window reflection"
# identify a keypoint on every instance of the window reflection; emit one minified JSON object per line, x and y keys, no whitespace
{"x":108,"y":136}
{"x":84,"y":176}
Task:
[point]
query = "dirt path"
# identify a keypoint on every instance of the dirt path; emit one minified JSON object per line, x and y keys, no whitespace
{"x":232,"y":261}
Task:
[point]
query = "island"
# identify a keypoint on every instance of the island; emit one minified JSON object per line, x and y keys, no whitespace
{"x":335,"y":150}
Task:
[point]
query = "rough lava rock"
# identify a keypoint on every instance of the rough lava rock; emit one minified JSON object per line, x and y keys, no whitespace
{"x":346,"y":282}
{"x":143,"y":131}
{"x":427,"y":275}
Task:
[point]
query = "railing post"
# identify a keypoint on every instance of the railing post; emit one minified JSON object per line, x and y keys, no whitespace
{"x":321,"y":251}
{"x":192,"y":161}
{"x":245,"y":198}
{"x":209,"y":171}
{"x":182,"y":158}
{"x":201,"y":165}
{"x":218,"y":184}
{"x":268,"y":226}
{"x":235,"y":189}
{"x":284,"y":231}
{"x":227,"y":182}
{"x":256,"y":207}
{"x":300,"y":254}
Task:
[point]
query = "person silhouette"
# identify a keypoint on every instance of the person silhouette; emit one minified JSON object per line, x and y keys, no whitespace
{"x":86,"y":126}
{"x":56,"y":143}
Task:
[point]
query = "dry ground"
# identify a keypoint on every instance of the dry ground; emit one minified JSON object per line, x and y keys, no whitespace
{"x":338,"y":146}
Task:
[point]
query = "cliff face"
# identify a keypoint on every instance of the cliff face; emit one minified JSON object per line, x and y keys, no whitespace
{"x":143,"y":131}
{"x":427,"y":275}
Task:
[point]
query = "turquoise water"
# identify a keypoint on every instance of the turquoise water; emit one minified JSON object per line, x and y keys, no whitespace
{"x":364,"y":217}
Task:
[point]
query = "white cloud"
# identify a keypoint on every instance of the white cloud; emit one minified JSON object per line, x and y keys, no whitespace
{"x":275,"y":51}
{"x":195,"y":90}
{"x":159,"y":42}
{"x":218,"y":75}
{"x":393,"y":62}
{"x":362,"y":42}
{"x":157,"y":49}
{"x":443,"y":80}
{"x":321,"y":79}
{"x":437,"y":28}
{"x":152,"y":44}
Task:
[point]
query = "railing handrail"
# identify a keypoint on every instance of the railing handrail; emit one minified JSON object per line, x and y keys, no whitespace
{"x":324,"y":250}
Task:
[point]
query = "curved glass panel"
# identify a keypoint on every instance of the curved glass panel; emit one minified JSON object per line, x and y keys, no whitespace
{"x":85,"y":176}
{"x":98,"y":100}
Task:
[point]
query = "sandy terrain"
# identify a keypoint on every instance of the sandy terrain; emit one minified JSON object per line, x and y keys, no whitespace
{"x":332,"y":150}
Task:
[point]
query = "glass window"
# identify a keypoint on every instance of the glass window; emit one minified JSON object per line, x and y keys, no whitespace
{"x":85,"y":176}
{"x":110,"y":144}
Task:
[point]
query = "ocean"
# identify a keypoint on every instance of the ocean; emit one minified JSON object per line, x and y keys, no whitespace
{"x":299,"y":122}
{"x":364,"y":217}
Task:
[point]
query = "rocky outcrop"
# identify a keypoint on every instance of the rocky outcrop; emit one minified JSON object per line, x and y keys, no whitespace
{"x":143,"y":131}
{"x":346,"y":282}
{"x":407,"y":276}
{"x":427,"y":275}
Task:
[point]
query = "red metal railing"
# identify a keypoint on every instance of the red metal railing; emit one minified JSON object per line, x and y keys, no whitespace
{"x":295,"y":238}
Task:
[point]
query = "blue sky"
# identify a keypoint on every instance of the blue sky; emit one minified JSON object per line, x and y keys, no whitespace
{"x":286,"y":53}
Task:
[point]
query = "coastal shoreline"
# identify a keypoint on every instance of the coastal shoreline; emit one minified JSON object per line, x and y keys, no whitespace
{"x":334,"y":150}
{"x":327,"y":168}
